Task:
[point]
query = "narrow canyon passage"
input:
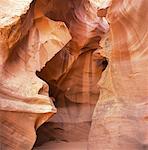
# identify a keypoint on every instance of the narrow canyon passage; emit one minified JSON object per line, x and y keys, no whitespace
{"x":75,"y":107}
{"x":54,"y":43}
{"x":73,"y":75}
{"x":73,"y":82}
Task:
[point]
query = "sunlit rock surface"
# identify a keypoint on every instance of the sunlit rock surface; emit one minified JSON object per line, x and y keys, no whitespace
{"x":53,"y":59}
{"x":26,"y":44}
{"x":120,"y":117}
{"x":30,"y":38}
{"x":73,"y":82}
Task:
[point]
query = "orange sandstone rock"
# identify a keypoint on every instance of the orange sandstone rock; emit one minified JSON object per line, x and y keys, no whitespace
{"x":119,"y":117}
{"x":26,"y":44}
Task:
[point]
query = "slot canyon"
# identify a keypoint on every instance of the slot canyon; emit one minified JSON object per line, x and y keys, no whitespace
{"x":73,"y":75}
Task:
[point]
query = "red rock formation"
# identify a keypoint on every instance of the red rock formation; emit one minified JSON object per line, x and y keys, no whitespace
{"x":120,"y":118}
{"x":67,"y":44}
{"x":27,"y":43}
{"x":73,"y":82}
{"x":28,"y":40}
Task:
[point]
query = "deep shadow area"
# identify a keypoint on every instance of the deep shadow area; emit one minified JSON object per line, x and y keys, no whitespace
{"x":72,"y":121}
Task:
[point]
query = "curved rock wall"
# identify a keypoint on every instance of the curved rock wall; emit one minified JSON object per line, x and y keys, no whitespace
{"x":26,"y":44}
{"x":33,"y":35}
{"x":52,"y":55}
{"x":120,"y":117}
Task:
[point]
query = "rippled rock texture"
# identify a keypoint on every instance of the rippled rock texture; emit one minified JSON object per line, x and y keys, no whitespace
{"x":120,"y":117}
{"x":31,"y":34}
{"x":73,"y":82}
{"x":78,"y":65}
{"x":27,"y":42}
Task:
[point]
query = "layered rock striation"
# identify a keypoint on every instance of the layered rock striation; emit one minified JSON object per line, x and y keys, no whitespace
{"x":120,"y":117}
{"x":27,"y":42}
{"x":78,"y":65}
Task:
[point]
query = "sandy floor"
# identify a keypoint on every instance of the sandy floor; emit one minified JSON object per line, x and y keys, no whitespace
{"x":63,"y":146}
